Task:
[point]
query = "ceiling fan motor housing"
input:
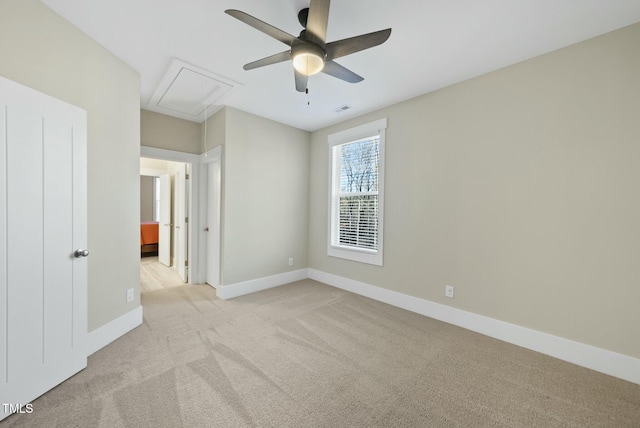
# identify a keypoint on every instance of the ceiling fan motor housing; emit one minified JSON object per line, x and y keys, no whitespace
{"x":303,"y":15}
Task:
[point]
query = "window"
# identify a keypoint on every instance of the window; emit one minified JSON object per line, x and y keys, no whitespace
{"x":356,"y":186}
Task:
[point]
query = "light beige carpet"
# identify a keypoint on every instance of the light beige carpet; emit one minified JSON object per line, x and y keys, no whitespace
{"x":309,"y":355}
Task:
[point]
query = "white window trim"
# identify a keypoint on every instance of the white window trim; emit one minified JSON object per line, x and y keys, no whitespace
{"x":374,"y":257}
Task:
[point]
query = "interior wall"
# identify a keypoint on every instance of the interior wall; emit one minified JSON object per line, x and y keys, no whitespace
{"x":266,"y":183}
{"x":265,"y":165}
{"x":146,"y":198}
{"x":41,"y":50}
{"x":519,"y":188}
{"x":216,"y":129}
{"x":170,"y":133}
{"x":153,"y":167}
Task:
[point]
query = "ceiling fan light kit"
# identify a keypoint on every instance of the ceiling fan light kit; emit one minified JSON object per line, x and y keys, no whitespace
{"x":310,"y":52}
{"x":308,"y":59}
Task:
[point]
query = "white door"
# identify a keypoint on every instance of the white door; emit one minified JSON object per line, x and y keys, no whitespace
{"x":164,"y":221}
{"x":213,"y":223}
{"x":180,"y":221}
{"x":43,"y":232}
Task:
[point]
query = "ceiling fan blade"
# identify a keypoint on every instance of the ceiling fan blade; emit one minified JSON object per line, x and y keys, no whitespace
{"x":273,"y":59}
{"x":348,"y":46}
{"x":334,"y":69}
{"x":317,"y":21}
{"x":301,"y":81}
{"x":268,"y":29}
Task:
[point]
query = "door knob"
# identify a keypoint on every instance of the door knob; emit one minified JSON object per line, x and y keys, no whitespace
{"x":80,"y":253}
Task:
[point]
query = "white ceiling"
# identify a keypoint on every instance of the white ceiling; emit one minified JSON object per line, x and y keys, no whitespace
{"x":434,"y":43}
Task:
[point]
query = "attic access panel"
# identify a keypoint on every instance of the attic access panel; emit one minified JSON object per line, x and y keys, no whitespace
{"x":185,"y":90}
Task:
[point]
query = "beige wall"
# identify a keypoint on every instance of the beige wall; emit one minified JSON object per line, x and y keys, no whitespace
{"x":146,"y":198}
{"x":265,"y":170}
{"x":266,"y":180}
{"x":519,"y":188}
{"x":170,"y":133}
{"x":149,"y":165}
{"x":41,"y":50}
{"x":216,"y":129}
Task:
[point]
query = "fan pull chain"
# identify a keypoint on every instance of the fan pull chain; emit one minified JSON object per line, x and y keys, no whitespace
{"x":306,"y":91}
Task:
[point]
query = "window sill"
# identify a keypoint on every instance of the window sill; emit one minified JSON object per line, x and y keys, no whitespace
{"x":356,"y":255}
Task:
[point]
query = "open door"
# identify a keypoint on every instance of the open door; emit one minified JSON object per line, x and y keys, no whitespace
{"x":213,"y":222}
{"x":164,"y":222}
{"x":181,"y":221}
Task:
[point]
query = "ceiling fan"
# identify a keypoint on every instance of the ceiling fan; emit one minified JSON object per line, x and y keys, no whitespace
{"x":310,"y":51}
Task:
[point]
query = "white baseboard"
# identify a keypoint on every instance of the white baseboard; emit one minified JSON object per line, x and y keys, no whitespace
{"x":601,"y":360}
{"x":241,"y":288}
{"x":101,"y":337}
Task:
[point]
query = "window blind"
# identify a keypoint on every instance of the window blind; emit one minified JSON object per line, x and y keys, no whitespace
{"x":355,"y":193}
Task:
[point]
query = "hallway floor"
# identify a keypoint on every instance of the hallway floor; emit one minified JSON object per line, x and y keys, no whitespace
{"x":156,"y":276}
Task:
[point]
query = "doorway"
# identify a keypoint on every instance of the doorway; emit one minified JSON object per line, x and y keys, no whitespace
{"x":164,"y":222}
{"x":201,"y":223}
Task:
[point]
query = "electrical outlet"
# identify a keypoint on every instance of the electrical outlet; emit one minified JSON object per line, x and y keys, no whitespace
{"x":448,"y":291}
{"x":129,"y":295}
{"x":290,"y":261}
